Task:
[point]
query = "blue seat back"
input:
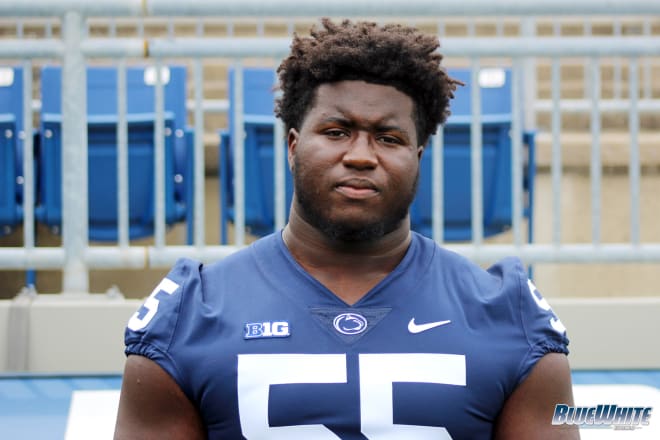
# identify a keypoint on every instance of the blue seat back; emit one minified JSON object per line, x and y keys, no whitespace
{"x":102,"y":91}
{"x":11,"y":147}
{"x":102,"y":100}
{"x":495,"y":89}
{"x":258,"y":105}
{"x":457,"y":184}
{"x":102,"y":150}
{"x":258,"y":90}
{"x":496,"y":161}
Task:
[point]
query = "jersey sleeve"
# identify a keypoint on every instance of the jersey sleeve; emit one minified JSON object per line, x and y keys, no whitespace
{"x":151,"y":329}
{"x":543,"y":329}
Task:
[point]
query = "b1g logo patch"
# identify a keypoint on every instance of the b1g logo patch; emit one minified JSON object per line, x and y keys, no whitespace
{"x":269,"y":329}
{"x":350,"y":323}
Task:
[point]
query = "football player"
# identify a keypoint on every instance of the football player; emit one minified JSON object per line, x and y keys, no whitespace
{"x":346,"y":324}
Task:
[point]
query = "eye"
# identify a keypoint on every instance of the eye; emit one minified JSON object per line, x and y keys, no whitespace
{"x":335,"y":133}
{"x":389,"y":140}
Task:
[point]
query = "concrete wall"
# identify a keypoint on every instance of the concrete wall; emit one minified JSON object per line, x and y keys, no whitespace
{"x":60,"y":334}
{"x":4,"y":333}
{"x":612,"y":333}
{"x":54,"y":333}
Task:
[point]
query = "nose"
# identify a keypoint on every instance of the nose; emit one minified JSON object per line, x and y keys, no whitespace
{"x":361,"y":153}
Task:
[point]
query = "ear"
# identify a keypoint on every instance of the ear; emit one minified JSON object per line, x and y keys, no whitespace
{"x":420,"y":150}
{"x":292,"y":143}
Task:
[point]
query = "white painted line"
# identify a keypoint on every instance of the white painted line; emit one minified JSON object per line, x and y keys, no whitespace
{"x":92,"y":414}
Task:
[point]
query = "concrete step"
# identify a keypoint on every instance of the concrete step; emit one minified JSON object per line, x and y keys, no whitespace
{"x":452,"y":26}
{"x":648,"y":121}
{"x":614,"y":146}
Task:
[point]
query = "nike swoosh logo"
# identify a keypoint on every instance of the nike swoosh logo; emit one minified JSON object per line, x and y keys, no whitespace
{"x":418,"y":328}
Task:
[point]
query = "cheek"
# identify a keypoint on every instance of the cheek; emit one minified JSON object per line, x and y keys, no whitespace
{"x":314,"y":162}
{"x":404,"y":173}
{"x":310,"y":173}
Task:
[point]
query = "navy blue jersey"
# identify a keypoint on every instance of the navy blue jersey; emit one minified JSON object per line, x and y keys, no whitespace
{"x":266,"y":351}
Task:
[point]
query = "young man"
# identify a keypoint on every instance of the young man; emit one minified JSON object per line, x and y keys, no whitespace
{"x":347,"y":325}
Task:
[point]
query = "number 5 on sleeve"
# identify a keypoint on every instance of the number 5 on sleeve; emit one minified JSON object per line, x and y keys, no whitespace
{"x":137,"y":322}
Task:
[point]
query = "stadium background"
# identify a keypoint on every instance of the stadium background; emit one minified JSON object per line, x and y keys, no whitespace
{"x":622,"y":298}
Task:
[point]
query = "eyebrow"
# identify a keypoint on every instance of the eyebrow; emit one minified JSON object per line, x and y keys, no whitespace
{"x":346,"y":122}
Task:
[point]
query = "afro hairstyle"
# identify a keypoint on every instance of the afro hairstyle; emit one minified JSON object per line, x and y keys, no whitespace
{"x":392,"y":54}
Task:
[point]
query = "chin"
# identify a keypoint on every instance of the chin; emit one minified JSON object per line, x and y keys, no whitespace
{"x":342,"y":223}
{"x":356,"y":231}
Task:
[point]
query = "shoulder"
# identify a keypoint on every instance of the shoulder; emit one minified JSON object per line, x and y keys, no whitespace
{"x":264,"y":249}
{"x":446,"y":256}
{"x":155,"y":320}
{"x":187,"y":295}
{"x":502,"y":280}
{"x":503,"y":294}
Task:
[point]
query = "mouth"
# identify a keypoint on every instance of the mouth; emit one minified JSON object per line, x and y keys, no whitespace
{"x":356,"y":188}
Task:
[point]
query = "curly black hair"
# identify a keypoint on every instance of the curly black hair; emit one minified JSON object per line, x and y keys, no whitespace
{"x":394,"y":55}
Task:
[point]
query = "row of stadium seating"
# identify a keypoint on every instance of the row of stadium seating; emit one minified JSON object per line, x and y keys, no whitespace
{"x":258,"y":96}
{"x":102,"y":123}
{"x":496,"y":119}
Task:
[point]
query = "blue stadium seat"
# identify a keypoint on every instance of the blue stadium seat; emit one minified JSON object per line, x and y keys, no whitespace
{"x":11,"y":148}
{"x":496,"y":125}
{"x":102,"y":150}
{"x":496,"y":163}
{"x":258,"y":105}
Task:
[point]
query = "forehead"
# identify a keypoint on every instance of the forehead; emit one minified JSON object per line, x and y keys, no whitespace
{"x":362,"y":101}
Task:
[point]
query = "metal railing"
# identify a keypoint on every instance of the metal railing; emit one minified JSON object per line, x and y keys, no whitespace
{"x":76,"y":257}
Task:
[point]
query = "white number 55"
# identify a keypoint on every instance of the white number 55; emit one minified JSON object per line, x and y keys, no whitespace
{"x":256,"y":372}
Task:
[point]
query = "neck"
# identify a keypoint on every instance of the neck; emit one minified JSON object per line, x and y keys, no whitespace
{"x":316,"y":252}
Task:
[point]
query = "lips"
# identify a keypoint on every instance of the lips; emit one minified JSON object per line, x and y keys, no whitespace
{"x":357,"y":188}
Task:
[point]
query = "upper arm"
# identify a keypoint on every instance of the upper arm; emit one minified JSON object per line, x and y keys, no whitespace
{"x":528,"y":412}
{"x":152,"y":405}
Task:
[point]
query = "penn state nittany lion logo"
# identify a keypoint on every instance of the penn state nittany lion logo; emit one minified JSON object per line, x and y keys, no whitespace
{"x":350,"y":323}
